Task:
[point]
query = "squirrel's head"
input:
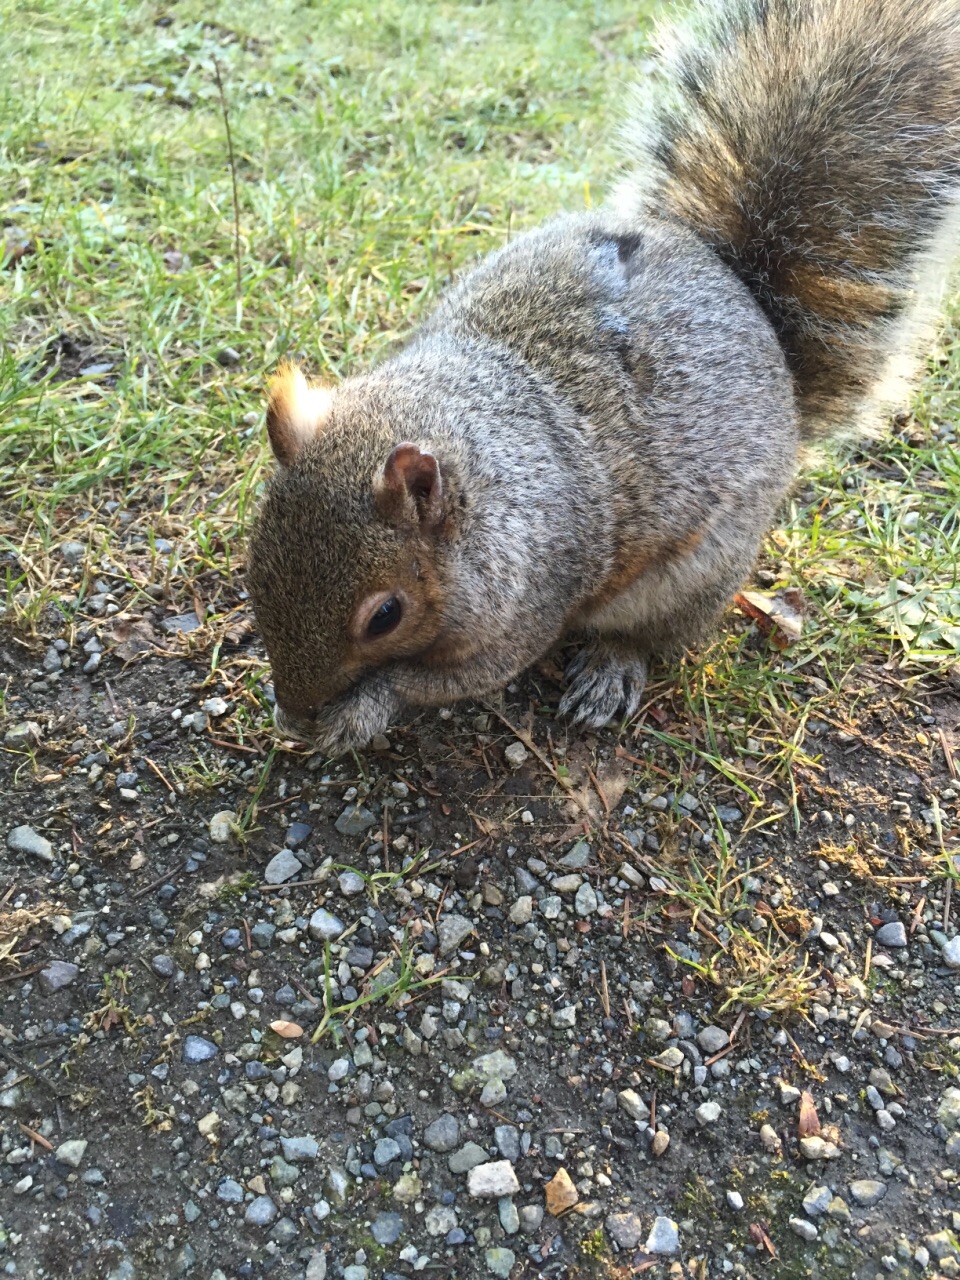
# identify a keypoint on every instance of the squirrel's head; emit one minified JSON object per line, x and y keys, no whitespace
{"x":343,"y":557}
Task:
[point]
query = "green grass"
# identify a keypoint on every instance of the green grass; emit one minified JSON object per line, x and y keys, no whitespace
{"x":379,"y":146}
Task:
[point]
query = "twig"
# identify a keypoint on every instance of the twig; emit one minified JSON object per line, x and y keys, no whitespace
{"x":233,"y":174}
{"x":528,"y":742}
{"x":604,"y":989}
{"x":948,"y":894}
{"x":21,"y":973}
{"x":867,"y":959}
{"x":167,"y":875}
{"x":291,"y":884}
{"x":156,"y":769}
{"x":948,"y":755}
{"x":38,"y":1138}
{"x":599,"y":791}
{"x":34,"y":1072}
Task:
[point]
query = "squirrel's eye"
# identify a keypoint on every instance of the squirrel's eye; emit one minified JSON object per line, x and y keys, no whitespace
{"x":386,"y":618}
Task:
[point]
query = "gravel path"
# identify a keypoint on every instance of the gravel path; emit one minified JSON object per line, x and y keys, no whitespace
{"x":548,"y":1045}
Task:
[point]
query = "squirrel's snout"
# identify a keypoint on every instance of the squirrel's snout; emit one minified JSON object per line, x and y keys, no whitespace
{"x":295,"y":725}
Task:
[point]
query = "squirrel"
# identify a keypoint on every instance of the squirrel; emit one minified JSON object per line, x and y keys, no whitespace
{"x":589,"y":437}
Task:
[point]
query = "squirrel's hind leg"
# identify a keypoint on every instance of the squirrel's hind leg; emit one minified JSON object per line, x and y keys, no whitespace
{"x":606,"y":681}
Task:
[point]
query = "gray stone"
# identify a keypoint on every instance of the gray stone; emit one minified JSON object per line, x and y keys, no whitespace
{"x":564,"y":1018}
{"x":867,"y":1192}
{"x":664,"y":1237}
{"x":804,"y":1229}
{"x":197,"y":1049}
{"x":26,"y":840}
{"x":467,"y":1158}
{"x":355,"y":820}
{"x":500,"y":1261}
{"x":285,"y":1232}
{"x":284,"y":866}
{"x":522,"y":910}
{"x":625,"y":1229}
{"x":73,"y":552}
{"x":515,"y":754}
{"x":892,"y":935}
{"x":948,"y":1112}
{"x":260,"y":1212}
{"x":492,"y":1180}
{"x":71,"y":1153}
{"x":507,"y":1138}
{"x":942,"y":1244}
{"x":229,"y":1191}
{"x":324,"y":926}
{"x":670,"y":1059}
{"x":817,"y":1148}
{"x":386,"y":1228}
{"x":261,"y":935}
{"x":507,"y":1213}
{"x":951,"y":953}
{"x":442,"y":1134}
{"x":386,"y":1150}
{"x":708,"y":1113}
{"x":452,"y":931}
{"x":586,"y":901}
{"x":817,"y":1201}
{"x":633,"y":1105}
{"x":283,"y":1174}
{"x":298,"y":833}
{"x":351,"y":883}
{"x":23,"y":736}
{"x":439,"y":1220}
{"x":57,"y":975}
{"x":712,"y":1039}
{"x":182,"y":622}
{"x":531,"y":1216}
{"x":317,"y":1267}
{"x":297,"y":1150}
{"x":163,"y":966}
{"x":222,"y":826}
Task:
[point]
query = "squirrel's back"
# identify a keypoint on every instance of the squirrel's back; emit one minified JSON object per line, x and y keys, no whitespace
{"x":815,"y":146}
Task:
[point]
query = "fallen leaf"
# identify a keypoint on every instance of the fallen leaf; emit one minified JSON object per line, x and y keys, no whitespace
{"x":237,"y":631}
{"x":779,"y":616}
{"x":132,"y":638}
{"x":286,"y":1030}
{"x":809,"y":1123}
{"x":760,"y":1237}
{"x":560,"y":1193}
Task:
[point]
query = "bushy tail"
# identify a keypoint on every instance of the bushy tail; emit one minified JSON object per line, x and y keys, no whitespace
{"x":815,"y":145}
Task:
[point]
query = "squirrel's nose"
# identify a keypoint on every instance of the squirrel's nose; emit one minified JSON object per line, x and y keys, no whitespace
{"x":294,"y":724}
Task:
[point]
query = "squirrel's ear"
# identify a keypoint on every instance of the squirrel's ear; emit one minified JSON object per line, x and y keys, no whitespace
{"x":296,"y":411}
{"x":411,"y":484}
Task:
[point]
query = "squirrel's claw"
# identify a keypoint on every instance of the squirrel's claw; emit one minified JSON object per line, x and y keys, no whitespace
{"x":604,"y":684}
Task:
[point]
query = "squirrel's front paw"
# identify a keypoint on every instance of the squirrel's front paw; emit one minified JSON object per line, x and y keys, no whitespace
{"x":603,"y":684}
{"x":350,"y":723}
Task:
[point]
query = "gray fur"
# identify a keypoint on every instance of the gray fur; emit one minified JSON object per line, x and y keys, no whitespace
{"x":615,"y":400}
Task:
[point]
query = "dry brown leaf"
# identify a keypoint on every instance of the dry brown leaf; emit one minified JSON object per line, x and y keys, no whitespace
{"x":560,"y":1192}
{"x":779,"y":616}
{"x":286,"y":1030}
{"x":809,"y":1123}
{"x":761,"y":1239}
{"x":132,"y":638}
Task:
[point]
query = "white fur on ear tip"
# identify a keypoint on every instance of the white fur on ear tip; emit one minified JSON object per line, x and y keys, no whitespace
{"x":308,"y":406}
{"x":296,"y":412}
